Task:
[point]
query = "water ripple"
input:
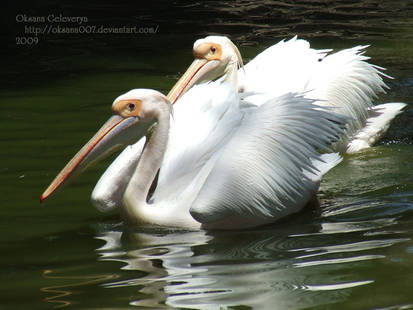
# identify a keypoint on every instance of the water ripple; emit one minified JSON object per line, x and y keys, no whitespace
{"x":205,"y":270}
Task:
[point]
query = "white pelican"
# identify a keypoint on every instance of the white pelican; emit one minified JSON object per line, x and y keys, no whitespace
{"x":344,"y":80}
{"x":224,"y":162}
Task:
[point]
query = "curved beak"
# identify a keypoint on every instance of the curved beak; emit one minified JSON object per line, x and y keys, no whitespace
{"x":115,"y":133}
{"x":201,"y":70}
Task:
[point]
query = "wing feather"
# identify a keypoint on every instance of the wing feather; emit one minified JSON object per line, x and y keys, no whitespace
{"x":263,"y":171}
{"x":344,"y":80}
{"x":203,"y":121}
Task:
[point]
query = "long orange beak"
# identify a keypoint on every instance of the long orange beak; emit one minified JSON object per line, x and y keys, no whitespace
{"x":199,"y":71}
{"x":115,"y":133}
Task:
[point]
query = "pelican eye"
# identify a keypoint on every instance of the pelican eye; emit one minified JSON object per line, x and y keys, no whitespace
{"x":213,"y":49}
{"x":131,"y":106}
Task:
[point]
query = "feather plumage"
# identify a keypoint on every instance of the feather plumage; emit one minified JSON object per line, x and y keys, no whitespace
{"x":263,"y":171}
{"x":344,"y":80}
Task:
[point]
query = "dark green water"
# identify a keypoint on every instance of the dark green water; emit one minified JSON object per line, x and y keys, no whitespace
{"x":354,"y":252}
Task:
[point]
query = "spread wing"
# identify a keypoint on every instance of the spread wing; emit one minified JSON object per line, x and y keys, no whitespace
{"x":263,"y":171}
{"x":344,"y":80}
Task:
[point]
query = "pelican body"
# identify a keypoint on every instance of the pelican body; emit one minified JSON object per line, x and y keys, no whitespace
{"x":240,"y":151}
{"x":224,"y":162}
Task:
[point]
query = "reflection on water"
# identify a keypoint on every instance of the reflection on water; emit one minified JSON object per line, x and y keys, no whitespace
{"x":59,"y":293}
{"x":271,"y":268}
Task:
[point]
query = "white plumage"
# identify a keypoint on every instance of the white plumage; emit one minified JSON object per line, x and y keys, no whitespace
{"x":344,"y":80}
{"x":231,"y":164}
{"x":262,"y":173}
{"x":244,"y":150}
{"x":279,"y":131}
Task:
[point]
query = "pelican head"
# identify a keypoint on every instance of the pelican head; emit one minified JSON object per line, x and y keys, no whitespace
{"x":215,"y":56}
{"x":133,"y":113}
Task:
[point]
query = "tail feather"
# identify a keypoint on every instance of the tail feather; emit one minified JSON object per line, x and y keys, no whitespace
{"x":377,"y":123}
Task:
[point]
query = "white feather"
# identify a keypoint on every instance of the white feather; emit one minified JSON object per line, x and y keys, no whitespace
{"x":263,"y":171}
{"x":109,"y":189}
{"x":376,"y":124}
{"x":344,"y":80}
{"x":198,"y":132}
